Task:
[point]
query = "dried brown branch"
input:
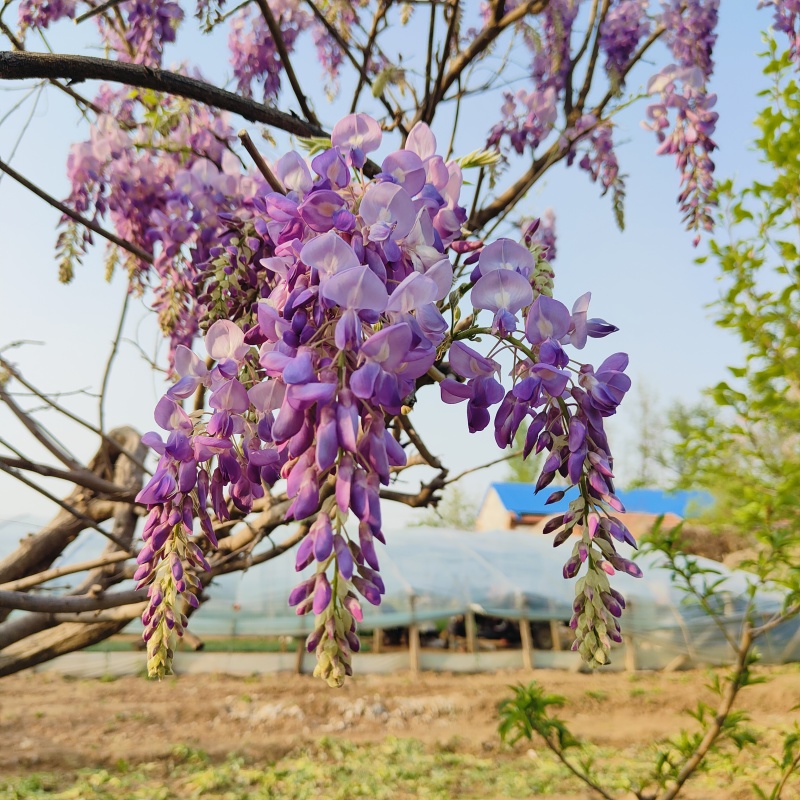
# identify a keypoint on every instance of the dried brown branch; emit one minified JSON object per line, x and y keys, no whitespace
{"x":68,"y":90}
{"x":378,"y":17}
{"x":395,"y":114}
{"x":54,"y":605}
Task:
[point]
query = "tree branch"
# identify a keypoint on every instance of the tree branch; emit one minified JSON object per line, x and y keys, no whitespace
{"x":20,"y":66}
{"x":58,"y":572}
{"x":55,"y":605}
{"x":476,"y":47}
{"x":68,"y":90}
{"x":38,"y":432}
{"x":79,"y":477}
{"x":64,"y":209}
{"x":395,"y":114}
{"x":88,"y":521}
{"x":109,"y":440}
{"x":280,"y":46}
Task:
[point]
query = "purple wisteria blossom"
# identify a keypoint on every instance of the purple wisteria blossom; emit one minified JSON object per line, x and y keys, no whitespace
{"x":338,"y":326}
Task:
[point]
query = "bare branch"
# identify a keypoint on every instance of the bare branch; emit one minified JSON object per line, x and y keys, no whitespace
{"x":395,"y":114}
{"x":277,"y":38}
{"x":88,"y":521}
{"x":110,"y":361}
{"x":58,"y":572}
{"x":262,"y":165}
{"x":93,"y":12}
{"x":506,"y":457}
{"x":476,"y":47}
{"x":38,"y":432}
{"x":68,"y":90}
{"x":109,"y":440}
{"x":422,"y":448}
{"x":80,"y":477}
{"x":64,"y":209}
{"x":380,"y":13}
{"x":55,"y":605}
{"x":20,"y":66}
{"x":121,"y":614}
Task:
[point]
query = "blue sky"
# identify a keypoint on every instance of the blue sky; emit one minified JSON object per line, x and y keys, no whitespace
{"x":644,"y":280}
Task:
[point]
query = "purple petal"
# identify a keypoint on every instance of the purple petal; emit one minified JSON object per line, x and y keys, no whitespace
{"x":412,"y":292}
{"x":389,"y":346}
{"x":225,"y":340}
{"x":503,"y":290}
{"x":357,"y":288}
{"x":329,"y":253}
{"x":388,"y":203}
{"x":506,"y":254}
{"x":318,"y":208}
{"x":455,"y":392}
{"x":293,"y":172}
{"x":171,"y":417}
{"x":547,"y":318}
{"x":421,"y":141}
{"x":407,"y":169}
{"x":470,"y":364}
{"x":230,"y":396}
{"x":267,"y":395}
{"x":357,"y":130}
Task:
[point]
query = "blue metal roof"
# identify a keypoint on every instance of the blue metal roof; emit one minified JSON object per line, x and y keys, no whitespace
{"x":519,"y":498}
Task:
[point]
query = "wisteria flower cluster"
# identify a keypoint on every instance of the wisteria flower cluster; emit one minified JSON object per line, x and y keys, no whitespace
{"x":349,"y":275}
{"x":683,"y":89}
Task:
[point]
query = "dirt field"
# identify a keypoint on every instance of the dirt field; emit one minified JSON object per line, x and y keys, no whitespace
{"x":52,"y":724}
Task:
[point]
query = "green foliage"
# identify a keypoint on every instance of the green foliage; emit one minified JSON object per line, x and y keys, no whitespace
{"x":743,"y":444}
{"x":454,"y":510}
{"x":527,"y":712}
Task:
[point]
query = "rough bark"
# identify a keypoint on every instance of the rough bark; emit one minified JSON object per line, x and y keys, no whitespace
{"x":36,"y":637}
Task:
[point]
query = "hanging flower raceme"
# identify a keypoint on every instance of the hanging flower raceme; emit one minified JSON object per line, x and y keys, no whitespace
{"x":322,"y":313}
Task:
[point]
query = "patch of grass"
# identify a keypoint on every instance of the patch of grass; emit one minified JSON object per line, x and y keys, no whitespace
{"x":336,"y":769}
{"x":596,"y":694}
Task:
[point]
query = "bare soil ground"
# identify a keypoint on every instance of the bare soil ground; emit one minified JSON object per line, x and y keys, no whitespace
{"x":51,"y":723}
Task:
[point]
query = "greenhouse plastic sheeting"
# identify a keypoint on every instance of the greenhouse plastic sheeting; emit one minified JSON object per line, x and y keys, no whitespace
{"x":434,"y":573}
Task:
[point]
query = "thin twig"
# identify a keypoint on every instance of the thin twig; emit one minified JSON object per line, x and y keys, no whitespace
{"x":506,"y":457}
{"x":67,"y":211}
{"x":428,"y":78}
{"x":41,"y":434}
{"x":74,"y":417}
{"x":395,"y":114}
{"x":262,"y":165}
{"x":21,"y":65}
{"x":380,"y":13}
{"x":110,"y":361}
{"x":280,"y":46}
{"x":474,"y":49}
{"x":93,"y":12}
{"x":88,"y":521}
{"x":83,"y":477}
{"x":416,"y":440}
{"x":68,"y":90}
